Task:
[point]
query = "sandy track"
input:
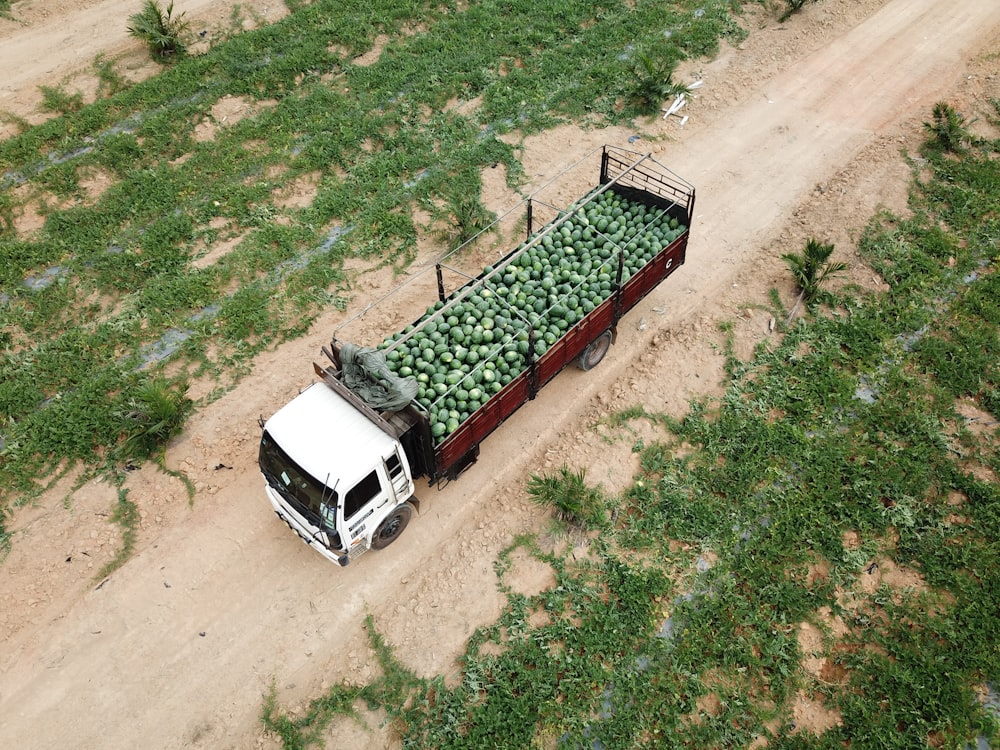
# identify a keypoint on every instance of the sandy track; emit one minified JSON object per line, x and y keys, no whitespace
{"x":176,"y":649}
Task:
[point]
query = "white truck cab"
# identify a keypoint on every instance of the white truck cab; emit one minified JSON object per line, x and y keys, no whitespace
{"x":349,"y":487}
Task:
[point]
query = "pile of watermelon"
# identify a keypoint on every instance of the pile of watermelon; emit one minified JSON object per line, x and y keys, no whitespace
{"x":466,"y":349}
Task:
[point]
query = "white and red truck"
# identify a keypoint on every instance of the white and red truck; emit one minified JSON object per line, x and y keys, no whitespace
{"x":340,"y":471}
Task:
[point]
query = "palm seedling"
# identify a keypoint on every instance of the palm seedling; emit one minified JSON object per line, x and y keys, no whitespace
{"x":811,"y":268}
{"x":655,"y":83}
{"x":160,"y":29}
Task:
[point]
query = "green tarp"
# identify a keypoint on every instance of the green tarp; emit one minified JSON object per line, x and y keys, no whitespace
{"x":365,"y":372}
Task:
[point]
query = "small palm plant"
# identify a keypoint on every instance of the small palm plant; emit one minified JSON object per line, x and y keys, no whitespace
{"x":469,"y":217}
{"x":791,"y":7}
{"x":947,"y":130}
{"x":575,"y":502}
{"x":160,"y":29}
{"x":156,"y":412}
{"x":811,"y":268}
{"x":655,"y":83}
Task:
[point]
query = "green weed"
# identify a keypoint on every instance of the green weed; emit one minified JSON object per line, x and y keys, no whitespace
{"x":655,"y":83}
{"x":791,"y":8}
{"x":468,"y":218}
{"x":56,"y":99}
{"x":126,"y":515}
{"x":947,"y":129}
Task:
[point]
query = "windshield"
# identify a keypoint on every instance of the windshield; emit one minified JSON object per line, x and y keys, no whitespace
{"x":304,"y":492}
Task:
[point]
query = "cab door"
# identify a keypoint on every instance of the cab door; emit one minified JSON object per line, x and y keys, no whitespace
{"x":364,"y":506}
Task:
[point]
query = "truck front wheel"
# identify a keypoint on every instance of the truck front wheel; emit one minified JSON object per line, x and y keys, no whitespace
{"x":393,"y":525}
{"x":595,"y":351}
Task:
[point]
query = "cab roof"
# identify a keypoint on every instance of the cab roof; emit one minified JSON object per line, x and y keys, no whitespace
{"x":329,"y":438}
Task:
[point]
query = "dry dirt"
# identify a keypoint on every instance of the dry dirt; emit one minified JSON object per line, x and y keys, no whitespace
{"x":795,"y":133}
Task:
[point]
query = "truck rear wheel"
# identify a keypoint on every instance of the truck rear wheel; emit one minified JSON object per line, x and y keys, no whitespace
{"x":595,"y":352}
{"x":389,"y":530}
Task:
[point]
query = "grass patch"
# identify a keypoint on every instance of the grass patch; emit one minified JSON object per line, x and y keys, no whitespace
{"x":56,"y":99}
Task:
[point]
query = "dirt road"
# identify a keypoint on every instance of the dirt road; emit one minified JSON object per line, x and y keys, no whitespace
{"x":177,"y":648}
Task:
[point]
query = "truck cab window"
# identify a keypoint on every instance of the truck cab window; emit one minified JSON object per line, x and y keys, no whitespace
{"x":361,"y":494}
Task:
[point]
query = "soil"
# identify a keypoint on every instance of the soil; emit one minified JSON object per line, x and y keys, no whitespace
{"x":796,"y":132}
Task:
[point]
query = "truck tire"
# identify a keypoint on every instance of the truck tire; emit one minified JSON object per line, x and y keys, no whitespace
{"x":389,"y":530}
{"x":595,"y":352}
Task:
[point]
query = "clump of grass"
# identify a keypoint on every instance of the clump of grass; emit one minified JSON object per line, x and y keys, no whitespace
{"x":160,"y":30}
{"x":567,"y":493}
{"x":468,"y":218}
{"x":56,"y":99}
